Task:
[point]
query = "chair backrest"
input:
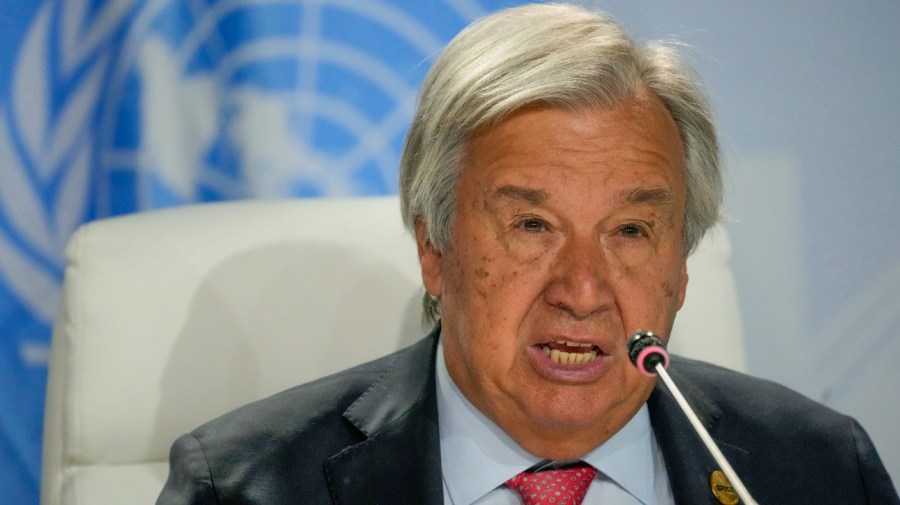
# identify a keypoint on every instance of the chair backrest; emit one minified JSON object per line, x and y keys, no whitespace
{"x":170,"y":318}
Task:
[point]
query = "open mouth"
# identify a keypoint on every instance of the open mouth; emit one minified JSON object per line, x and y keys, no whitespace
{"x":565,"y":352}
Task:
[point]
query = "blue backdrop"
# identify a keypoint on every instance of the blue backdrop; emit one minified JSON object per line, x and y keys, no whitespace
{"x":113,"y":106}
{"x":110,"y":107}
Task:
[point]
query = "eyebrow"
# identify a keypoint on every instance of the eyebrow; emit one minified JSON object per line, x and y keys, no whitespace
{"x":532,"y":196}
{"x":653,"y":196}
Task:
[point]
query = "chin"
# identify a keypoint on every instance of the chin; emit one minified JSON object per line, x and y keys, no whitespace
{"x":564,"y":448}
{"x":572,"y":423}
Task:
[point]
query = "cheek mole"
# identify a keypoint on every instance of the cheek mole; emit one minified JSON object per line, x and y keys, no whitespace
{"x":667,"y":289}
{"x":507,"y":277}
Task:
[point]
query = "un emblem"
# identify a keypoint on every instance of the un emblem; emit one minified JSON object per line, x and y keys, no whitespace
{"x":266,"y":98}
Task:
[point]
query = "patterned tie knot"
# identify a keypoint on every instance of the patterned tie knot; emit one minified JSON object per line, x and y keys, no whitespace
{"x":566,"y":486}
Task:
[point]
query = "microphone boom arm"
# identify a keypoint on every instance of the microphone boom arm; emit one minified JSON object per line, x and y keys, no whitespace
{"x":649,"y":355}
{"x":707,"y":439}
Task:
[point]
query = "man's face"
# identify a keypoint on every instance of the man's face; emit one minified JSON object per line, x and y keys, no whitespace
{"x":567,"y":237}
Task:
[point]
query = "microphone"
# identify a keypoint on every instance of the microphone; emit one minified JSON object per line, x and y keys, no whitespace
{"x":646,"y":351}
{"x":649,"y":355}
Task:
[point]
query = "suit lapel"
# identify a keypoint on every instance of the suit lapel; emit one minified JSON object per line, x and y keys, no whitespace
{"x":399,"y":462}
{"x":688,"y":462}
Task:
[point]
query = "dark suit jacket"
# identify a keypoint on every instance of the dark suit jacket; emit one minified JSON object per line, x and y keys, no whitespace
{"x":369,"y":435}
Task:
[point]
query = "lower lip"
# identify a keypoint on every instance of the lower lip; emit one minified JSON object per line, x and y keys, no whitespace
{"x":571,"y":374}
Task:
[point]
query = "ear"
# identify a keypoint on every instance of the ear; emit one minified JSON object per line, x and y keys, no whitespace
{"x":682,"y":282}
{"x":429,"y":262}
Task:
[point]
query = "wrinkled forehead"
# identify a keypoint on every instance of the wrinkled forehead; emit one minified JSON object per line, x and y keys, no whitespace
{"x":642,"y":113}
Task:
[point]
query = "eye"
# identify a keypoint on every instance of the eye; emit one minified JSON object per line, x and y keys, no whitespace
{"x":632,"y":230}
{"x":532,"y":225}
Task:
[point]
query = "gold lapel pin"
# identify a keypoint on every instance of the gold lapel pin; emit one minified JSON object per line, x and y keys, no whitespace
{"x":722,"y":489}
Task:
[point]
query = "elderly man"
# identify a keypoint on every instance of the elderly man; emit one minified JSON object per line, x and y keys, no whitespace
{"x":555,"y":177}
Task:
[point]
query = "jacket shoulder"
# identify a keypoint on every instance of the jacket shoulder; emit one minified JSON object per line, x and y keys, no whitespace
{"x":301,"y":410}
{"x":744,"y":395}
{"x":787,"y":445}
{"x":273,"y":450}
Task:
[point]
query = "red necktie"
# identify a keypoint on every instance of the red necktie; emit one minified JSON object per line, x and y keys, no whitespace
{"x":553,"y":487}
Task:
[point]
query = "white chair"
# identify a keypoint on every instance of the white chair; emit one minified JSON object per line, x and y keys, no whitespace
{"x":170,"y":318}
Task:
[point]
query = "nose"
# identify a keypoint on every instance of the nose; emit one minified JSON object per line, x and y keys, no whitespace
{"x":580,"y":280}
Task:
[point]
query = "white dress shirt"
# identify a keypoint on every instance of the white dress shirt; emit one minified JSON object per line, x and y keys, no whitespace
{"x":477,"y":457}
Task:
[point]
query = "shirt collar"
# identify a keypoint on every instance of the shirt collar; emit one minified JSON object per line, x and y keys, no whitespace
{"x":477,"y":456}
{"x":628,"y":457}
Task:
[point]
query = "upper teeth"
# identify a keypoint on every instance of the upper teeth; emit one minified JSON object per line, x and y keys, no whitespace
{"x":572,"y":358}
{"x":586,"y":355}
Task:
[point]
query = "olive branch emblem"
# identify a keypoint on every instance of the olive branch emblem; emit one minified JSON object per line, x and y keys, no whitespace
{"x":45,"y":147}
